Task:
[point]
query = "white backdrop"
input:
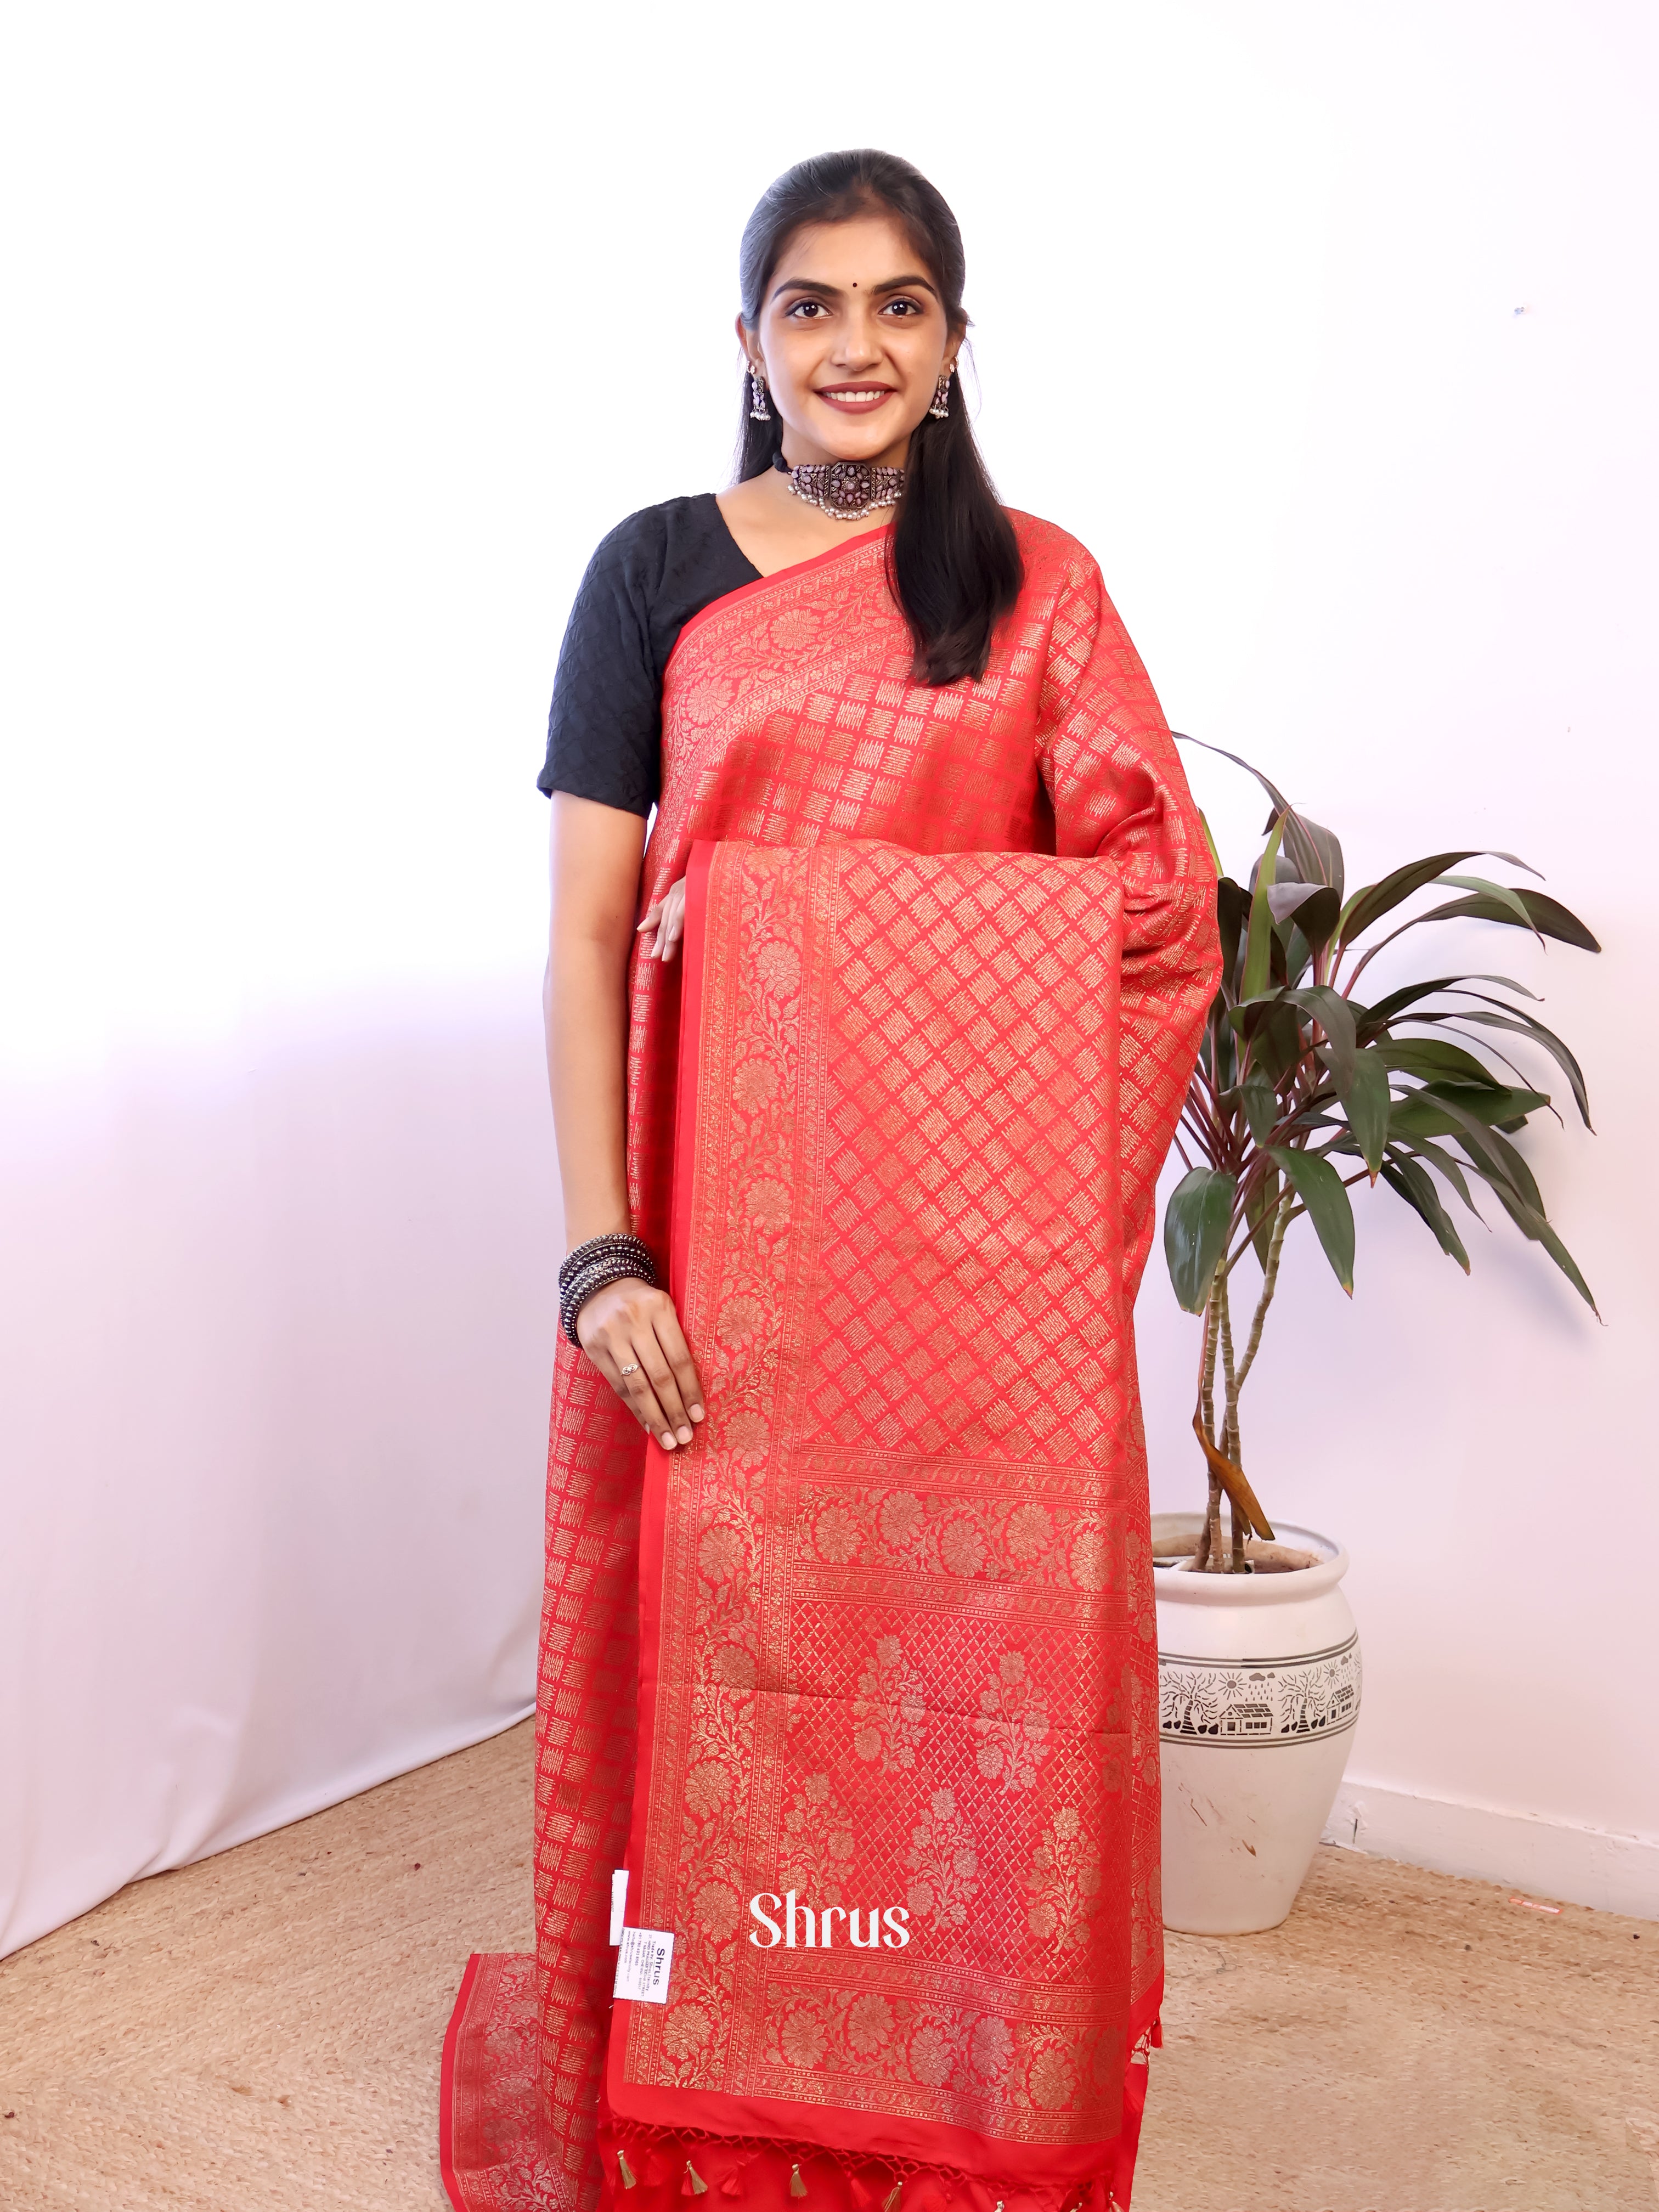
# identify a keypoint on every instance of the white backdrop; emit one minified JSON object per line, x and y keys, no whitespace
{"x":345,"y":332}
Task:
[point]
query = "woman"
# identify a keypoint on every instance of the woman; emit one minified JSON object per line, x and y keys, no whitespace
{"x":862,"y":1083}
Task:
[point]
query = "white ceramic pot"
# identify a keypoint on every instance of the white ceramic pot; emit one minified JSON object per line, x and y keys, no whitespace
{"x":1258,"y":1692}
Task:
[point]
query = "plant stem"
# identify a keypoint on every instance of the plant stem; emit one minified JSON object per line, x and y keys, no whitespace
{"x":1227,"y":1442}
{"x":1235,"y":1379}
{"x":1206,"y":1411}
{"x":1269,"y":1284}
{"x":1209,"y":1540}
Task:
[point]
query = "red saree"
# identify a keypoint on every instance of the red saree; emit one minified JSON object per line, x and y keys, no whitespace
{"x":879,"y":1646}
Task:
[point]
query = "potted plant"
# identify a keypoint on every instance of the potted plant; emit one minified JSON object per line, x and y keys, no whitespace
{"x":1305,"y":1085}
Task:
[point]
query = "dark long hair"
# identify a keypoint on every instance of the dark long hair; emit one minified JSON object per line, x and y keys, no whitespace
{"x":952,"y":562}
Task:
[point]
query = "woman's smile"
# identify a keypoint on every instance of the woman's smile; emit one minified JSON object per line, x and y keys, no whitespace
{"x":855,"y":399}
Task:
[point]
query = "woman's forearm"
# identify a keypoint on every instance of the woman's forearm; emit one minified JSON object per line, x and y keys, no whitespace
{"x":596,"y":871}
{"x":585,"y":1006}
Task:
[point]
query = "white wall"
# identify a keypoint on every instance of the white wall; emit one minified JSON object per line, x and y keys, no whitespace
{"x":352,"y":328}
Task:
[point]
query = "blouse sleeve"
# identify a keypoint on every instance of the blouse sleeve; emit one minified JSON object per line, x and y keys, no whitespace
{"x":1120,"y":795}
{"x":605,"y":731}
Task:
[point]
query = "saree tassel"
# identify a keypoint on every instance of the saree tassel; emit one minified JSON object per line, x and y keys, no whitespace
{"x":892,"y":2196}
{"x":694,"y":2185}
{"x":629,"y":2177}
{"x":797,"y":2186}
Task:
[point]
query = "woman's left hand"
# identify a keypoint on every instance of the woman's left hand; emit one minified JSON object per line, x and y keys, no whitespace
{"x":665,"y":918}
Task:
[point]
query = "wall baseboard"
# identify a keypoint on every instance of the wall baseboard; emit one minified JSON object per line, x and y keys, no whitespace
{"x":1547,"y":1858}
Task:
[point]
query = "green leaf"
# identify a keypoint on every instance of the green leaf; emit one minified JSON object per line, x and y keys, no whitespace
{"x":1546,"y":916}
{"x":1318,"y":1115}
{"x":1276,"y":1043}
{"x":1222,"y":1047}
{"x":1415,"y":1186}
{"x":1215,"y":857}
{"x":1500,"y":894}
{"x":1279,"y":959}
{"x":1258,"y":957}
{"x":1524,"y":1025}
{"x":1318,"y":1187}
{"x":1314,"y":914}
{"x":1445,"y":1110}
{"x":1312,"y":850}
{"x":1436,"y":1059}
{"x":1491,"y":1106}
{"x":1298,"y":953}
{"x":1451,"y":1030}
{"x":1286,"y":893}
{"x":1513,"y":1173}
{"x":1372,"y":900}
{"x":1564,"y":1259}
{"x":1526,"y":1212}
{"x":1494,"y":1158}
{"x":1261,"y":1103}
{"x":1367,"y":1099}
{"x":1232,"y":909}
{"x":1389,"y":1009}
{"x":1195,"y":1225}
{"x":1238,"y":761}
{"x":1420,"y":1148}
{"x":1316,"y":853}
{"x":1371,"y":903}
{"x":1335,"y":1016}
{"x":1529,"y":1220}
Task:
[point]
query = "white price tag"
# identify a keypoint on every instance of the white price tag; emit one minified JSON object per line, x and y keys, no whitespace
{"x":644,"y":1964}
{"x":618,"y":1904}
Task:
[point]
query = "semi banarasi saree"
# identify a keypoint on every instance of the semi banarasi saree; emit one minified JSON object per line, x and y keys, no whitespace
{"x":859,"y":1689}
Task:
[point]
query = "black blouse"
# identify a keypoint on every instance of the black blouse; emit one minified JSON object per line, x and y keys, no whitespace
{"x":648,"y":578}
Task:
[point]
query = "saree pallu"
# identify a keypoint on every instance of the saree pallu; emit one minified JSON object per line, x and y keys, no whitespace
{"x":879,"y":1646}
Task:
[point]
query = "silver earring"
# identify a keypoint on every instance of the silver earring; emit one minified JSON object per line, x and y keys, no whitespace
{"x":758,"y":409}
{"x":941,"y":406}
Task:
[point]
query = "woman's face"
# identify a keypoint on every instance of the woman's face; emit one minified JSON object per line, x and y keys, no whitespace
{"x":852,"y":341}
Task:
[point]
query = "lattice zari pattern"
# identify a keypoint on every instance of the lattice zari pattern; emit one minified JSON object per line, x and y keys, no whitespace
{"x":954,"y":949}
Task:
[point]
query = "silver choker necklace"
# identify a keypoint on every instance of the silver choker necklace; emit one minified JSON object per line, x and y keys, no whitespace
{"x":848,"y":490}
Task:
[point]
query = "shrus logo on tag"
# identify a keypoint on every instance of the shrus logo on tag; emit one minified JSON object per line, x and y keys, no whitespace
{"x":644,"y":1964}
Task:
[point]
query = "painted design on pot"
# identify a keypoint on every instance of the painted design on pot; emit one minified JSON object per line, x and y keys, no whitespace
{"x":1258,"y":1702}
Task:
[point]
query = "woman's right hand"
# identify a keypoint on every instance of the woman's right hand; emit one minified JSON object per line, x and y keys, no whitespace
{"x":633,"y":1336}
{"x":666,"y":920}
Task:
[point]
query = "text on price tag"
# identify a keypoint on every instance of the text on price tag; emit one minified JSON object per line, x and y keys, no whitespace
{"x":644,"y":1964}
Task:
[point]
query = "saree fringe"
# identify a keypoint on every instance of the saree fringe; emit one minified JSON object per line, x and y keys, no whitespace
{"x":494,"y":2159}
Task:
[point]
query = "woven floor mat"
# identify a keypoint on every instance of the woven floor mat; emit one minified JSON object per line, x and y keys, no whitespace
{"x":262,"y":2031}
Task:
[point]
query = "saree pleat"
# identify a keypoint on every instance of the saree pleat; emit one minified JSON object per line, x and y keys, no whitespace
{"x":872,"y":1663}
